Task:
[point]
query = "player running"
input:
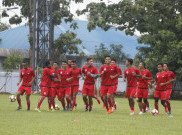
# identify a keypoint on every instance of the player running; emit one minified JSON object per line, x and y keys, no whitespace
{"x":28,"y":76}
{"x":65,"y":85}
{"x":171,"y":78}
{"x":130,"y":75}
{"x":108,"y":73}
{"x":45,"y":86}
{"x":142,"y":92}
{"x":55,"y":84}
{"x":161,"y":81}
{"x":113,"y":62}
{"x":76,"y":73}
{"x":90,"y":73}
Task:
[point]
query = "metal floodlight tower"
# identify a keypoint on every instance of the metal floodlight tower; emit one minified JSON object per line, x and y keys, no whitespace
{"x":42,"y":38}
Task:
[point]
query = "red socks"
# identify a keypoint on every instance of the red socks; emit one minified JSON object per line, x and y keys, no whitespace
{"x":28,"y":104}
{"x":63,"y":103}
{"x":74,"y":101}
{"x":19,"y":101}
{"x":156,"y":106}
{"x":40,"y":101}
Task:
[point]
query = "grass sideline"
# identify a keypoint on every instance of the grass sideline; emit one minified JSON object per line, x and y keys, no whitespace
{"x":14,"y":122}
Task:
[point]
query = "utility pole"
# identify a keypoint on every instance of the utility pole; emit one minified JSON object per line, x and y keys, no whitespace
{"x":42,"y":38}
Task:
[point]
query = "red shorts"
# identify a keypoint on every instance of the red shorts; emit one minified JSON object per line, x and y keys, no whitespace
{"x":88,"y":89}
{"x":74,"y":89}
{"x":131,"y":92}
{"x":142,"y":93}
{"x":168,"y":93}
{"x":26,"y":90}
{"x":45,"y":91}
{"x":160,"y":94}
{"x":115,"y":88}
{"x":65,"y":91}
{"x":106,"y":89}
{"x":54,"y":92}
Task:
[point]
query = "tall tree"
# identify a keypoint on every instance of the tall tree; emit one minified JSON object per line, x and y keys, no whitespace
{"x":115,"y":51}
{"x":66,"y":43}
{"x":61,"y":10}
{"x":158,"y":21}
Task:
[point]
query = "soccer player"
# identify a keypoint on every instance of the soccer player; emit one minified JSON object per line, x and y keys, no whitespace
{"x":45,"y":86}
{"x":113,"y":62}
{"x":142,"y":92}
{"x":65,"y":84}
{"x":28,"y":76}
{"x":55,"y":84}
{"x":161,"y":81}
{"x":171,"y":78}
{"x":131,"y":74}
{"x":90,"y":73}
{"x":108,"y":73}
{"x":76,"y":73}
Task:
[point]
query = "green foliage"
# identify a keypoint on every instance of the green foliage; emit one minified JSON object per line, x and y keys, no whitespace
{"x":66,"y":43}
{"x":158,"y":21}
{"x":4,"y":14}
{"x":115,"y":51}
{"x":15,"y":20}
{"x":12,"y":62}
{"x":4,"y":26}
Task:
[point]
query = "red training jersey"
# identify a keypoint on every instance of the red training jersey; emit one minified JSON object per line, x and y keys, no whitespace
{"x":131,"y":80}
{"x":143,"y":83}
{"x":161,"y":78}
{"x":26,"y":75}
{"x":46,"y":79}
{"x":92,"y":70}
{"x":120,"y":73}
{"x":55,"y":84}
{"x":65,"y":74}
{"x":75,"y":73}
{"x":170,"y":76}
{"x":109,"y":71}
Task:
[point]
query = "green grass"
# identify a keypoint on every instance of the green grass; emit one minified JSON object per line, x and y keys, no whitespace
{"x":94,"y":123}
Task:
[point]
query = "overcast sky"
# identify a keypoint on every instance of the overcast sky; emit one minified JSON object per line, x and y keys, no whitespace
{"x":73,"y":8}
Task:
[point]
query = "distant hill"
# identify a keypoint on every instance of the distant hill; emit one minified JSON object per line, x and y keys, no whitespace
{"x":17,"y":38}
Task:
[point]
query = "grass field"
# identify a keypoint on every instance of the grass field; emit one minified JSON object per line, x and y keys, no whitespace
{"x":14,"y":122}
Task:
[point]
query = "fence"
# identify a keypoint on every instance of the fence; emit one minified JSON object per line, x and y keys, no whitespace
{"x":8,"y":83}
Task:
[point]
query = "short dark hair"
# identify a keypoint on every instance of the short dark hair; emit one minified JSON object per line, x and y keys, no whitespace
{"x":130,"y":61}
{"x":64,"y":61}
{"x":143,"y":63}
{"x":56,"y":62}
{"x":160,"y":64}
{"x":24,"y":61}
{"x":107,"y":56}
{"x":73,"y":61}
{"x":166,"y":64}
{"x":69,"y":59}
{"x":89,"y":59}
{"x":47,"y":63}
{"x":113,"y":60}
